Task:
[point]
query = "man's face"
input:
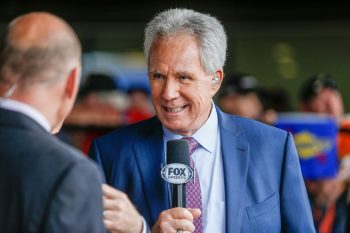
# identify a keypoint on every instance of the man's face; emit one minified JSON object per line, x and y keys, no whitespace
{"x":328,"y":101}
{"x":181,"y":89}
{"x":245,"y":105}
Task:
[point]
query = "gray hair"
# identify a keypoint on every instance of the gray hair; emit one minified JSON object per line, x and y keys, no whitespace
{"x":208,"y":30}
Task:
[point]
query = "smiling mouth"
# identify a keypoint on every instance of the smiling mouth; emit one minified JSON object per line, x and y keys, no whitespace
{"x":175,"y":110}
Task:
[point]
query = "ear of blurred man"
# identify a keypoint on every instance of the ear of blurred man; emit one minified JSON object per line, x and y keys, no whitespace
{"x":70,"y":90}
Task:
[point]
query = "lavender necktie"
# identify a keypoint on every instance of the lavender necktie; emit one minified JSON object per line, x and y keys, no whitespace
{"x":193,"y":188}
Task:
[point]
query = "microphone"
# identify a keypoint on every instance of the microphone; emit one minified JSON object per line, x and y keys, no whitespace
{"x":177,"y":172}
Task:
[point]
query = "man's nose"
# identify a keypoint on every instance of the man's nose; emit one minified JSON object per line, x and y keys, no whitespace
{"x":170,"y":89}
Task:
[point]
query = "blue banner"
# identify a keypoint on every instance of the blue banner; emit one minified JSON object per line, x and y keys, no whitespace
{"x":315,"y":137}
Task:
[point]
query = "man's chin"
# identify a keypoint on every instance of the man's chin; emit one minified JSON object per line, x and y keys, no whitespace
{"x":174,"y":127}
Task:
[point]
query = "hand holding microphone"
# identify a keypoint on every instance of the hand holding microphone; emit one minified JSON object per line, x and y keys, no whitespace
{"x":175,"y":219}
{"x":177,"y":172}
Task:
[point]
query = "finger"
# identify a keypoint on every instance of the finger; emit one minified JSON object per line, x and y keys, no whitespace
{"x":182,"y":224}
{"x":122,"y":221}
{"x":181,"y":213}
{"x":112,"y":193}
{"x":113,"y":204}
{"x":195,"y":213}
{"x":110,"y":225}
{"x":111,"y":215}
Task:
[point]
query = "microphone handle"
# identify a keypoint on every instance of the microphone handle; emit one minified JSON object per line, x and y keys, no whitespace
{"x":178,"y":195}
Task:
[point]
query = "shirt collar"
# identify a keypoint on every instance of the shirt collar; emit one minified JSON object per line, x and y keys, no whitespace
{"x":25,"y":109}
{"x":210,"y":127}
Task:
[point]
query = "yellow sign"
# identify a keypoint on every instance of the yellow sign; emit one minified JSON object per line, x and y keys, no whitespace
{"x":309,"y":146}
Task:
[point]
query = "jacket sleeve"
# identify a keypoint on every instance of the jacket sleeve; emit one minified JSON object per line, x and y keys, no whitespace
{"x":295,"y":206}
{"x":76,"y":202}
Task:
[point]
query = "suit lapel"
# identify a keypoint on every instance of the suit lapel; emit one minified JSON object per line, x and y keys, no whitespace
{"x":235,"y":155}
{"x":149,"y":154}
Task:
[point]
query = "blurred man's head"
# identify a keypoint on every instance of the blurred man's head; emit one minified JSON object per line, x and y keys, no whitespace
{"x":40,"y":65}
{"x":239,"y":96}
{"x":185,"y":52}
{"x":320,"y":94}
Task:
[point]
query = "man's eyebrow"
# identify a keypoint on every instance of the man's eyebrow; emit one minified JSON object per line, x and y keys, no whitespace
{"x":184,"y":73}
{"x":155,"y":71}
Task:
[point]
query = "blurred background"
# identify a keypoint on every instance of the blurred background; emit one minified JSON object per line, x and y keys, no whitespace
{"x":281,"y":44}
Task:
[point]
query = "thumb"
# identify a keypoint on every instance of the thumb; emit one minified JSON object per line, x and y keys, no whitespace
{"x":195,"y":212}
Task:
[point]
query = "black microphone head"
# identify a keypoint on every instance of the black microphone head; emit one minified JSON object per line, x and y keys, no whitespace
{"x":178,"y":152}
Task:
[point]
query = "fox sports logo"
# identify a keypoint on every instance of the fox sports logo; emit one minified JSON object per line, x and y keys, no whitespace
{"x":177,"y":173}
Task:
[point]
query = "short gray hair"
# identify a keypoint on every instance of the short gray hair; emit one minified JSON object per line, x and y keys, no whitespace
{"x":208,"y":30}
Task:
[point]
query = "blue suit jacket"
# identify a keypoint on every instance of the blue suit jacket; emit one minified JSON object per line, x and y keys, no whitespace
{"x":264,"y":189}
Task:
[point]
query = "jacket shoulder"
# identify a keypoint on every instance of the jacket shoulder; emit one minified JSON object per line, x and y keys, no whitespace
{"x":134,"y":132}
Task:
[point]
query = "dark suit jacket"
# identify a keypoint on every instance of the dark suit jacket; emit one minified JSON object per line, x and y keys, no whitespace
{"x":45,"y":185}
{"x":264,"y":187}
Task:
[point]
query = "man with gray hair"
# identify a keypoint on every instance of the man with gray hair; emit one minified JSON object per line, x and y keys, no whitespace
{"x":247,"y":174}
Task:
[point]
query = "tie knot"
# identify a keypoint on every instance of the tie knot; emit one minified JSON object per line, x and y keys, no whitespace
{"x":192,"y":143}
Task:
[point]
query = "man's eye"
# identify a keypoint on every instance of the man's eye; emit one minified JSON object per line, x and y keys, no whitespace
{"x":184,"y":78}
{"x":158,"y":76}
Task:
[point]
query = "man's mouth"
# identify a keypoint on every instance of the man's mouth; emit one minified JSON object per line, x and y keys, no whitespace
{"x":175,"y":110}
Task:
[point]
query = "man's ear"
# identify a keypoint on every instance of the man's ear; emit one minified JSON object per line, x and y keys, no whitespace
{"x":70,"y":89}
{"x":72,"y":83}
{"x":216,"y":81}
